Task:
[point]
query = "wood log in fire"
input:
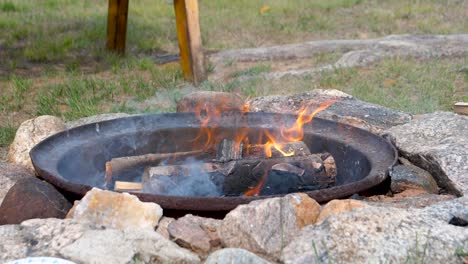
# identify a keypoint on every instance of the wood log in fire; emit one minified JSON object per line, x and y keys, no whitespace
{"x":117,"y":165}
{"x":234,"y":178}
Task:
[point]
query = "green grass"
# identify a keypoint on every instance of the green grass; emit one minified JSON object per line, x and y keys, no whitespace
{"x":53,"y":59}
{"x":252,"y":71}
{"x":410,"y":85}
{"x":7,"y":134}
{"x":461,"y":252}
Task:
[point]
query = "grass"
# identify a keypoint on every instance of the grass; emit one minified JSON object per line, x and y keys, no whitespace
{"x":7,"y":134}
{"x":409,"y":85}
{"x":53,"y":59}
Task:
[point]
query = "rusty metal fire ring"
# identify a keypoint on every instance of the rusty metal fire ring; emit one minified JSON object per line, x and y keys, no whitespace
{"x":74,"y":160}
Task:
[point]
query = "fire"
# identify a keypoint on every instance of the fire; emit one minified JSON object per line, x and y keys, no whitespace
{"x":296,"y":132}
{"x":210,"y":117}
{"x":291,"y":134}
{"x":272,"y":142}
{"x":256,"y":190}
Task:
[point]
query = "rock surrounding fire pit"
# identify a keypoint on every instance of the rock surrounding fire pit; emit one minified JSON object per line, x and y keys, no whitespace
{"x":403,"y":223}
{"x":438,"y":143}
{"x":346,"y":109}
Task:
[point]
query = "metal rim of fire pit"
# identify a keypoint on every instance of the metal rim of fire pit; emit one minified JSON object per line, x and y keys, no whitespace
{"x":380,"y":154}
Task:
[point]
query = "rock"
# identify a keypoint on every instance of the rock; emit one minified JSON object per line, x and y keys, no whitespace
{"x":163,"y":225}
{"x":115,"y":210}
{"x":9,"y":174}
{"x":412,"y":198}
{"x":266,"y":226}
{"x":38,"y":237}
{"x":346,"y":109}
{"x":383,"y":235}
{"x":32,"y":198}
{"x":127,"y":246}
{"x":338,"y":206}
{"x":82,"y":243}
{"x":202,"y":100}
{"x":409,"y":176}
{"x":94,"y":119}
{"x":234,"y":255}
{"x":438,"y":143}
{"x":30,"y":133}
{"x":195,"y":233}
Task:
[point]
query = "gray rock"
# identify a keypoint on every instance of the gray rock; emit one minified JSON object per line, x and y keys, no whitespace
{"x":82,"y":243}
{"x":129,"y":246}
{"x":94,"y":119}
{"x":346,"y":109}
{"x":266,"y":226}
{"x":438,"y":143}
{"x":163,"y":225}
{"x":196,"y":233}
{"x":383,"y":235}
{"x":38,"y":237}
{"x":403,"y":200}
{"x":409,"y":176}
{"x":9,"y":174}
{"x":30,"y":133}
{"x":234,"y":255}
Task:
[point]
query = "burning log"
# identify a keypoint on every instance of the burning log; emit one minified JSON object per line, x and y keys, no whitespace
{"x":229,"y":150}
{"x":117,"y":165}
{"x":299,"y":148}
{"x":247,"y":176}
{"x":276,"y":176}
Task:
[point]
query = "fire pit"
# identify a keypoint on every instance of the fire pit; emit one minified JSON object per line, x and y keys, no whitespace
{"x":76,"y":160}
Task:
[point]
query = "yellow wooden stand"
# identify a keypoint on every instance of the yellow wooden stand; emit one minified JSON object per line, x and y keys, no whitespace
{"x":192,"y":59}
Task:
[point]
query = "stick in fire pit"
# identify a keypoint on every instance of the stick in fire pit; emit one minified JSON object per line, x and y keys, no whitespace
{"x":117,"y":165}
{"x":302,"y":171}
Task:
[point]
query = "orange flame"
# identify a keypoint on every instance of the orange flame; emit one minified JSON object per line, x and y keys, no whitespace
{"x":272,"y":142}
{"x":292,"y":134}
{"x":256,"y":190}
{"x":296,"y":132}
{"x":210,"y":116}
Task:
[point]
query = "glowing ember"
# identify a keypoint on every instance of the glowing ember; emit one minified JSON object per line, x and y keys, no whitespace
{"x":256,"y":190}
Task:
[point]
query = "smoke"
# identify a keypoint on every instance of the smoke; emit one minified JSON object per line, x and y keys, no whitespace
{"x":194,"y":181}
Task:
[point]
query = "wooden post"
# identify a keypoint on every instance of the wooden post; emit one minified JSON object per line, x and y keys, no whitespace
{"x":188,"y":32}
{"x":117,"y":25}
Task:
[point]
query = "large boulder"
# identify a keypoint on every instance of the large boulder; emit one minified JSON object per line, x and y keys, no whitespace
{"x":438,"y":143}
{"x":266,"y":226}
{"x":346,"y":109}
{"x":81,"y":243}
{"x":30,"y":133}
{"x":384,"y":235}
{"x":32,"y":198}
{"x":9,"y":174}
{"x":115,"y":210}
